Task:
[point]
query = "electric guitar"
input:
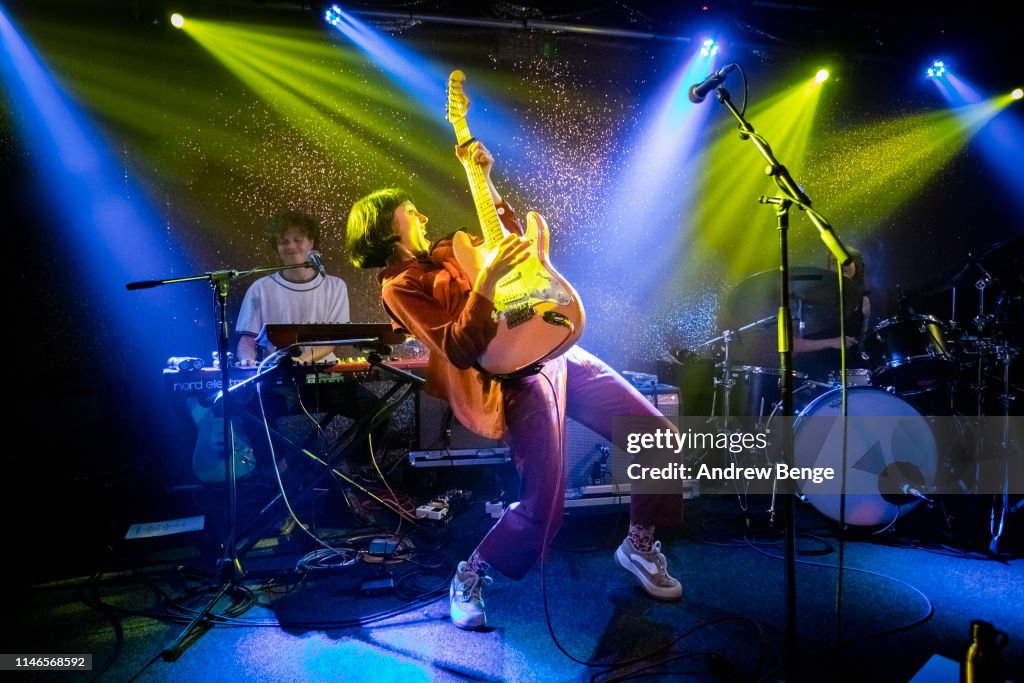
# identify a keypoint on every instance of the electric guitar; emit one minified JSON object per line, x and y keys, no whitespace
{"x":539,"y":314}
{"x":208,"y":456}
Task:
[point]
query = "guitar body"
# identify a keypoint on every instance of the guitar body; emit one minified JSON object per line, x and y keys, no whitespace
{"x":208,"y":456}
{"x":540,"y":316}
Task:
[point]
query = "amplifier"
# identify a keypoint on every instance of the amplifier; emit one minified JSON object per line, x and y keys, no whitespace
{"x":587,"y":454}
{"x":442,"y":441}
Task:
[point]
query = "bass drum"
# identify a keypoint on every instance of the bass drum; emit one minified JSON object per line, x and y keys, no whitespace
{"x":890,"y":448}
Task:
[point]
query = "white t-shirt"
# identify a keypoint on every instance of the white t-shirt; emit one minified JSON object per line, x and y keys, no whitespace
{"x":272,"y":299}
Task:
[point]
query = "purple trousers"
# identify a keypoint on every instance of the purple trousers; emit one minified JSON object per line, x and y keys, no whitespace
{"x":579,"y":385}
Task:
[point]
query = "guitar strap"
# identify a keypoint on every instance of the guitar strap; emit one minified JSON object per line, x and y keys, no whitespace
{"x":512,"y":376}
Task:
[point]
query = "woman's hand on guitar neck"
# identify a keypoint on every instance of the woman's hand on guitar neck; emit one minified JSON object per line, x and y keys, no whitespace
{"x":511,"y":251}
{"x":476,"y":154}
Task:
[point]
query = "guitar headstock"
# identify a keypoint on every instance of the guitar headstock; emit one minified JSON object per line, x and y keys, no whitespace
{"x":458,"y":103}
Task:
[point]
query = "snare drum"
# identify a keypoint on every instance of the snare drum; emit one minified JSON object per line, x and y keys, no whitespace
{"x":909,"y":354}
{"x":754,"y":390}
{"x":895,"y":448}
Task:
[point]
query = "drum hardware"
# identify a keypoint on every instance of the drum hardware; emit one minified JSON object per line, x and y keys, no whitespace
{"x":982,"y":349}
{"x":726,"y":380}
{"x":1001,"y":503}
{"x":755,"y":390}
{"x":855,"y":377}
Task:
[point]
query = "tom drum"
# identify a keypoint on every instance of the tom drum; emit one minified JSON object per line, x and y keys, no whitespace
{"x":910,"y":354}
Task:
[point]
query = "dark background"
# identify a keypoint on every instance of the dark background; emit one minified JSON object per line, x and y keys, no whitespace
{"x":87,"y":359}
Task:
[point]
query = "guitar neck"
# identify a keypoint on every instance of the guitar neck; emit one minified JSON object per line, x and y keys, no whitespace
{"x":490,"y":224}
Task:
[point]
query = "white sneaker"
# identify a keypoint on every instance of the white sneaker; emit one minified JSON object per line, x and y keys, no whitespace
{"x":650,"y":569}
{"x":466,"y":596}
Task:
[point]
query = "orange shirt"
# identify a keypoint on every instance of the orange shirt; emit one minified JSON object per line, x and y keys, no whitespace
{"x":432,"y":299}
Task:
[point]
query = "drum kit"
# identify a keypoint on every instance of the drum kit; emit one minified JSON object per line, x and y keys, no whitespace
{"x":917,"y":367}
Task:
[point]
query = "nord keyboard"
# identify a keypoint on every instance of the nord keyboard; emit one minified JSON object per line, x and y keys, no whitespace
{"x":202,"y":382}
{"x":207,"y":381}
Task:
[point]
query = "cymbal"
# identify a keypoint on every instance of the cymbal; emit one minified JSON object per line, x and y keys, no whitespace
{"x":957,"y":273}
{"x":813,"y":297}
{"x":1005,"y":260}
{"x":1000,"y":260}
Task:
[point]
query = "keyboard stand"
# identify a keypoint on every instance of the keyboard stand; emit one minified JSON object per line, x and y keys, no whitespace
{"x":346,"y":444}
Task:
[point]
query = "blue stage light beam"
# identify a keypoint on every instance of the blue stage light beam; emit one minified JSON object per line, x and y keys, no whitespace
{"x":104,"y":220}
{"x":652,"y":189}
{"x":426,"y":82}
{"x":644,"y":227}
{"x":962,"y":92}
{"x":416,"y":75}
{"x":999,"y":138}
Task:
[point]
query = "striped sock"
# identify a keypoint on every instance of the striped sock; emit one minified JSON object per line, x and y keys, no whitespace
{"x":641,"y":536}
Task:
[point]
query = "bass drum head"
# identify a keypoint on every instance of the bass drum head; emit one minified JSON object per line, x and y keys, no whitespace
{"x":889,"y":446}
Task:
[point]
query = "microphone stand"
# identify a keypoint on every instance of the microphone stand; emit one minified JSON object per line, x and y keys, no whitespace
{"x":789,"y":194}
{"x":229,"y":569}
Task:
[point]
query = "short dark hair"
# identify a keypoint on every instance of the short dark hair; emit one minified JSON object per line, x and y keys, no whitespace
{"x":278,"y":224}
{"x":370,"y":235}
{"x":859,"y":275}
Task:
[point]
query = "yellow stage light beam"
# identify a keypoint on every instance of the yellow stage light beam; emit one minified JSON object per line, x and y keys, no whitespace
{"x":881,"y":166}
{"x":732,"y":228}
{"x":313,"y":100}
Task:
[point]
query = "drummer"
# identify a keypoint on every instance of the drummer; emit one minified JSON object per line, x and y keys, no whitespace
{"x":818,"y":354}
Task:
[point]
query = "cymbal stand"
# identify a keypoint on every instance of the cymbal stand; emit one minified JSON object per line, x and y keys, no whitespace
{"x":789,"y":194}
{"x":981,"y":320}
{"x":726,"y":382}
{"x":1005,"y":354}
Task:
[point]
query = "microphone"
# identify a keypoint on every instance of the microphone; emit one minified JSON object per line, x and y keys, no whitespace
{"x":316,"y":262}
{"x":909,"y":490}
{"x":699,"y":91}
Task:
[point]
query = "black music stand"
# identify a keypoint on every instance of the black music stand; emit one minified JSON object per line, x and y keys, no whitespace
{"x":229,"y":569}
{"x":789,"y":194}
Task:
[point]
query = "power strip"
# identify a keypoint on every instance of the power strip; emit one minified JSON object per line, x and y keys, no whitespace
{"x":433,"y":510}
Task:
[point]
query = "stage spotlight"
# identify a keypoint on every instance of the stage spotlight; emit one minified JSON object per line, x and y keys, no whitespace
{"x":333,"y":15}
{"x":1017,"y":94}
{"x":177,"y":21}
{"x":709,"y":48}
{"x":821,"y":76}
{"x":937,"y":69}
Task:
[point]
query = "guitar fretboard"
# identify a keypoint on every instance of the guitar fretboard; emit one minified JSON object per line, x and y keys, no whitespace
{"x":490,"y":224}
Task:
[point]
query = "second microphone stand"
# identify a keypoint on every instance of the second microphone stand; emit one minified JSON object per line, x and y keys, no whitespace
{"x":789,"y":194}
